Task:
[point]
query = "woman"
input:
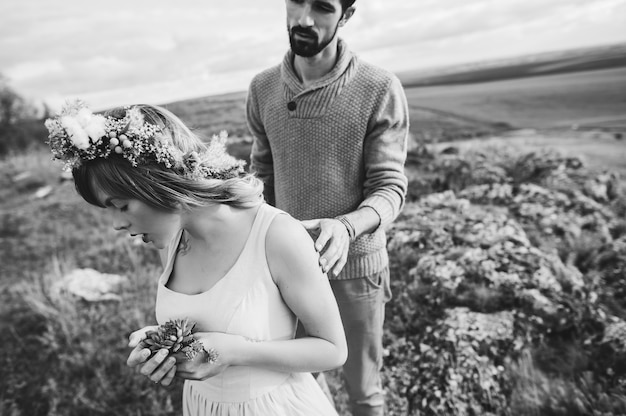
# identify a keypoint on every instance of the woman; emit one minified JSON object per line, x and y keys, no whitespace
{"x":244,"y":271}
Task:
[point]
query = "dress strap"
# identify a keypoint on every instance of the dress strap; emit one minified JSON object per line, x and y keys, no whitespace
{"x":265,"y":216}
{"x":171,"y":254}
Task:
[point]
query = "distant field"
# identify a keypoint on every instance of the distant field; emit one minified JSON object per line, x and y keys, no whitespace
{"x":592,"y":98}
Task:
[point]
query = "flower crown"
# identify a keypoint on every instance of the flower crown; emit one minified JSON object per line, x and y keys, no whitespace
{"x":77,"y":135}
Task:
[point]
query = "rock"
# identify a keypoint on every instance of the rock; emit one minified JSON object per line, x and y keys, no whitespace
{"x":91,"y":285}
{"x":43,"y":192}
{"x":450,"y":150}
{"x":66,"y":175}
{"x":596,"y":189}
{"x":22,"y":176}
{"x":615,"y":334}
{"x":25,"y":181}
{"x":540,"y":303}
{"x":477,"y":326}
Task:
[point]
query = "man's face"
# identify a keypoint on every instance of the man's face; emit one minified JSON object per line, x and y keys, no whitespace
{"x":312,"y":25}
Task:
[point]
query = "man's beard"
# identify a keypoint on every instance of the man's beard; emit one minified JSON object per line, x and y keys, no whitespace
{"x":310,"y":45}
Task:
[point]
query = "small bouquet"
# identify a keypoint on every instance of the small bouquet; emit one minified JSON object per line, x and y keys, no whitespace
{"x":177,"y":337}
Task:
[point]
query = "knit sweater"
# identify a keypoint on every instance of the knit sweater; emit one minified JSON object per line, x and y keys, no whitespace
{"x":332,"y":147}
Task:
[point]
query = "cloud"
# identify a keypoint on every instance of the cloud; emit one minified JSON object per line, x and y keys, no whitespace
{"x":442,"y":19}
{"x":446,"y":32}
{"x":33,"y":69}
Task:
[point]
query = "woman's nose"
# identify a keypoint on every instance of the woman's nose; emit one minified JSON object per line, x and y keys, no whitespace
{"x":119,"y":224}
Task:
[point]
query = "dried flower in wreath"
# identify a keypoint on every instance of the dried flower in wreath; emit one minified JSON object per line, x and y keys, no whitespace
{"x":77,"y":135}
{"x":177,"y":336}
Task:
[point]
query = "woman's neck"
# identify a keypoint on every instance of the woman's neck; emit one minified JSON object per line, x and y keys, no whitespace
{"x":208,"y":226}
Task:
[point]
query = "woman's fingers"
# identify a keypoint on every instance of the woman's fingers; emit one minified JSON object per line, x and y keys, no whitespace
{"x":163,"y":370}
{"x":167,"y":380}
{"x":136,"y":337}
{"x":153,"y":363}
{"x":137,"y":356}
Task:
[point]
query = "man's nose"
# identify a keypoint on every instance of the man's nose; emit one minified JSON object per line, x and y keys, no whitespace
{"x":305,"y":19}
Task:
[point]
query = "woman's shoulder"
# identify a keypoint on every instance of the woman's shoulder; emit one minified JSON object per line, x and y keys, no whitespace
{"x":286,"y":234}
{"x":283,"y":223}
{"x":289,"y":250}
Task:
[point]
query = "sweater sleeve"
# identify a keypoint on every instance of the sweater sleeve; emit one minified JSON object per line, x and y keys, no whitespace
{"x":385,"y":150}
{"x":261,"y":162}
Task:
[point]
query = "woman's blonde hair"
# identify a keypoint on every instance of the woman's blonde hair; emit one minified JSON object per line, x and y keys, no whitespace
{"x":160,"y":186}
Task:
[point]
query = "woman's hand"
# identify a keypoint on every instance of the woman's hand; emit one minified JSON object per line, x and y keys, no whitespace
{"x":223,"y":348}
{"x":159,"y":368}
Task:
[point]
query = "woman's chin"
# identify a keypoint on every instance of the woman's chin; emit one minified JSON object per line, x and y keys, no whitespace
{"x":156,"y":244}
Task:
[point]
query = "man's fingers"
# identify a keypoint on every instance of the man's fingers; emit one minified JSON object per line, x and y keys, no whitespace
{"x":310,"y":224}
{"x":331,"y":254}
{"x":322,"y":240}
{"x":337,"y":248}
{"x":338,"y":267}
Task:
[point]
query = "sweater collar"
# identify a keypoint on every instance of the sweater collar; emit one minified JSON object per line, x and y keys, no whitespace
{"x":289,"y":76}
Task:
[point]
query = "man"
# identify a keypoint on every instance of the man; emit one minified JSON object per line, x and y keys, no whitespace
{"x":330,"y":137}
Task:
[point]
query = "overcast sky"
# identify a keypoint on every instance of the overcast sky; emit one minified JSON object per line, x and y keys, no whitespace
{"x":156,"y":51}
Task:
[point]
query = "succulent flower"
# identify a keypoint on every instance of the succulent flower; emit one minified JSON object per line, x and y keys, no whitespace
{"x":175,"y":336}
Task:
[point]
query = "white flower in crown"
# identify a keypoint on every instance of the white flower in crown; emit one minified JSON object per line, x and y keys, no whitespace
{"x":83,"y":126}
{"x":77,"y":135}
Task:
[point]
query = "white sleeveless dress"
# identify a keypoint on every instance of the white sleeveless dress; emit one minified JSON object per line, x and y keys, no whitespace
{"x":247,"y":302}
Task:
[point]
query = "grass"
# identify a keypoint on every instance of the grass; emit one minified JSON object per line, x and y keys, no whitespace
{"x":66,"y":356}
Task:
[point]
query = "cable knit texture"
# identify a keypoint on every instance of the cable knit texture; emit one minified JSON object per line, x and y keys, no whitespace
{"x":332,"y":147}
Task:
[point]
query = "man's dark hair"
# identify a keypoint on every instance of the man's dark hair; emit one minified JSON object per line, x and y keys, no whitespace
{"x":346,"y":3}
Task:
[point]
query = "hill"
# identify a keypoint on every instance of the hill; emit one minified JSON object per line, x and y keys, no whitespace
{"x":558,"y":62}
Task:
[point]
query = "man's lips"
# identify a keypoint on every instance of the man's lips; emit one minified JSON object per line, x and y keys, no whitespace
{"x":304,"y":35}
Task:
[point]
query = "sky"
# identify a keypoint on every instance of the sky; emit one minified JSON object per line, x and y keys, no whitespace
{"x":157,"y":51}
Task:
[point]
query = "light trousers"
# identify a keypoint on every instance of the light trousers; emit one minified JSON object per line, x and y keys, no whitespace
{"x":362,"y":308}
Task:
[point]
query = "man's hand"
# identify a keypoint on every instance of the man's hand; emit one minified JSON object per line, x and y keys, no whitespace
{"x":332,"y":243}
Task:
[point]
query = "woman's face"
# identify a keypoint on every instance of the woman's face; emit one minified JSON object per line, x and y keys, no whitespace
{"x":139,"y":219}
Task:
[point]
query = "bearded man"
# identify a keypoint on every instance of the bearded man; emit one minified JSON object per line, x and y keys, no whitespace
{"x":330,"y":136}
